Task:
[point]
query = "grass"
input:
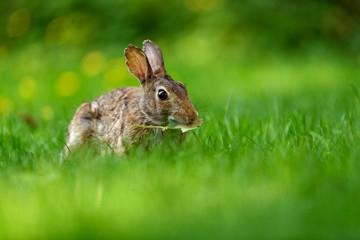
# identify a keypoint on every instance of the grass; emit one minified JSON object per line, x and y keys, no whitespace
{"x":277,"y":162}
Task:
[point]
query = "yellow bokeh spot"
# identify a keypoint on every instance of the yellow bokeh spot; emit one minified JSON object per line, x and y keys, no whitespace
{"x":47,"y":113}
{"x":114,"y":76}
{"x":6,"y":106}
{"x":27,"y":87}
{"x":116,"y":72}
{"x":58,"y":31}
{"x":3,"y":51}
{"x":194,"y":49}
{"x":18,"y":23}
{"x":67,"y":84}
{"x":93,"y":63}
{"x":203,"y":5}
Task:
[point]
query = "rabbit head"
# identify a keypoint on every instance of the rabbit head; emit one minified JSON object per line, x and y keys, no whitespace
{"x":163,"y":99}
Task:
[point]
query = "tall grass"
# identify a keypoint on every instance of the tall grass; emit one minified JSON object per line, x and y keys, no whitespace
{"x":274,"y":168}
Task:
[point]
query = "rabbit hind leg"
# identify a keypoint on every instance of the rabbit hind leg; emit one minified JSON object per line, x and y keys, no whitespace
{"x":80,"y":127}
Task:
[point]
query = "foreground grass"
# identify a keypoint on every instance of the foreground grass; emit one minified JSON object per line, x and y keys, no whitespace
{"x":274,"y":168}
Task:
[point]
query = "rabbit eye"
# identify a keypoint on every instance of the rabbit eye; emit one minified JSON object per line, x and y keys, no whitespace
{"x":162,"y":94}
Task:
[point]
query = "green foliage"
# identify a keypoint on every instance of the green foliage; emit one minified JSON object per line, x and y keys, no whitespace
{"x":265,"y":24}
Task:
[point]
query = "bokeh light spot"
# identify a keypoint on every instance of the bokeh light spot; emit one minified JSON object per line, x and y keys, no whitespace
{"x":58,"y":31}
{"x":93,"y":63}
{"x":117,"y":71}
{"x":3,"y":51}
{"x":47,"y":113}
{"x":194,"y":49}
{"x":27,"y":87}
{"x":114,"y":76}
{"x":6,"y":105}
{"x":67,"y":84}
{"x":203,"y":5}
{"x":18,"y":23}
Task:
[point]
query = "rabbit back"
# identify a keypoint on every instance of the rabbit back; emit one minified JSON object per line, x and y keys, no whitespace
{"x":110,"y":118}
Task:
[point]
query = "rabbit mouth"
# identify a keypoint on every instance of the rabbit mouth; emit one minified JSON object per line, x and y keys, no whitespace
{"x":186,"y":122}
{"x":177,"y":121}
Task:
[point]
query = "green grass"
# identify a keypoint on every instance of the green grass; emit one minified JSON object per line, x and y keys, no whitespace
{"x":273,"y":159}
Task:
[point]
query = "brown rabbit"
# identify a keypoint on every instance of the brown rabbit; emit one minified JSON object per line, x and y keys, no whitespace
{"x":111,"y":117}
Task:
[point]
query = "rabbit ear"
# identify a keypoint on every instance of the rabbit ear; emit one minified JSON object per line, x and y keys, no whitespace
{"x":137,"y":63}
{"x":155,"y":57}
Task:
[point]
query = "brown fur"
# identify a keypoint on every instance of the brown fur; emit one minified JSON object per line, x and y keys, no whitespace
{"x":111,"y":117}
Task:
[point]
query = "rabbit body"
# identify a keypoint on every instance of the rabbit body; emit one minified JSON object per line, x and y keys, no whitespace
{"x":111,"y":118}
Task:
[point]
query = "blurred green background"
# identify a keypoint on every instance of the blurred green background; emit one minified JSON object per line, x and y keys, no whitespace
{"x":276,"y":82}
{"x":60,"y":53}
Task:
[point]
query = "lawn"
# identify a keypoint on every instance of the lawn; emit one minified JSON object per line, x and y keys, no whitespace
{"x":277,"y":156}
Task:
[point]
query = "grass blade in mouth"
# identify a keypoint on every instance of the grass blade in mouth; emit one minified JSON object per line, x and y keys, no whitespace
{"x":188,"y":127}
{"x":175,"y":125}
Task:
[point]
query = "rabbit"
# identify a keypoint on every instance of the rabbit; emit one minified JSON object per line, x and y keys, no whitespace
{"x":111,"y":117}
